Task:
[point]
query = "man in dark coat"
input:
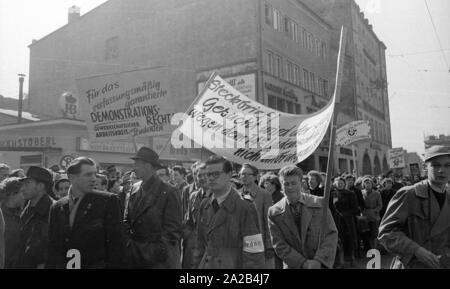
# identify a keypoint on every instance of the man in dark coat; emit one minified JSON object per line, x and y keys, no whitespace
{"x":416,"y":225}
{"x":85,"y":230}
{"x":34,"y":219}
{"x":153,"y":217}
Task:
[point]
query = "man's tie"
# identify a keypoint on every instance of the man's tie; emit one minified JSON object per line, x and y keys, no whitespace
{"x":215,"y":205}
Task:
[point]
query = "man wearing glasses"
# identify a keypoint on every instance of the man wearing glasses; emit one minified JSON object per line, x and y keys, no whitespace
{"x":228,"y":233}
{"x":263,"y":201}
{"x":416,"y":225}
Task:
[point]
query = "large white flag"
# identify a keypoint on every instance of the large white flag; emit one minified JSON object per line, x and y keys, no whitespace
{"x":353,"y":132}
{"x":230,"y":124}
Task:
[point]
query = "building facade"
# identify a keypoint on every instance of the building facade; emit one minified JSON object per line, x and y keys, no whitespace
{"x":280,"y":53}
{"x":433,"y":140}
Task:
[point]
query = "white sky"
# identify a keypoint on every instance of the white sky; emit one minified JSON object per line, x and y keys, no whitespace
{"x":419,"y":85}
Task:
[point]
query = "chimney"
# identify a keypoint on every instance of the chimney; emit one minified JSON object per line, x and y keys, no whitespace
{"x":74,"y":13}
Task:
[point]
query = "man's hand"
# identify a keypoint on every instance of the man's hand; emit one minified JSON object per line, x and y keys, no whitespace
{"x":428,"y":258}
{"x":311,"y":264}
{"x":270,"y":253}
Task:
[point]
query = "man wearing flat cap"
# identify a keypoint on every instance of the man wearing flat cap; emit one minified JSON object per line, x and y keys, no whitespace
{"x":34,"y":218}
{"x":153,"y":217}
{"x":416,"y":225}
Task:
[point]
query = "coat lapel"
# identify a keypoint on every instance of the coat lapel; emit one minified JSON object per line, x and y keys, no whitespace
{"x":288,"y":220}
{"x":149,"y":195}
{"x":227,"y":207}
{"x":443,"y":220}
{"x":305,"y":220}
{"x":82,"y":211}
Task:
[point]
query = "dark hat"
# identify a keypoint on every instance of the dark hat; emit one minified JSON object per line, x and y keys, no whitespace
{"x":39,"y":174}
{"x":148,"y":155}
{"x":436,"y":151}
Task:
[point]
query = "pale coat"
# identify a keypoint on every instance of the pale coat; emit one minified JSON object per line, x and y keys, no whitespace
{"x":221,"y":235}
{"x":407,"y":226}
{"x":294,"y":248}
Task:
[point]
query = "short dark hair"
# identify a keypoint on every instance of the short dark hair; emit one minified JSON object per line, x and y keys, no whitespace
{"x":317,"y":175}
{"x":253,"y":168}
{"x":103,"y":178}
{"x":74,"y":167}
{"x":59,"y":182}
{"x":181,"y":170}
{"x":290,"y":170}
{"x":271,"y":178}
{"x":227,"y":166}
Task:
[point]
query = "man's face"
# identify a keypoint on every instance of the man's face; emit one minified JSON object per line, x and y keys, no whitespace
{"x":4,"y":173}
{"x":268,"y":186}
{"x":30,"y":189}
{"x":247,"y":176}
{"x":439,"y":170}
{"x":368,"y":185}
{"x":291,"y":186}
{"x":388,"y":185}
{"x":312,"y":181}
{"x":63,"y":189}
{"x":217,"y":179}
{"x":141,"y":168}
{"x":202,"y":180}
{"x":85,"y":180}
{"x":162,"y":174}
{"x":177,"y":177}
{"x":350,"y":182}
{"x":340,"y":185}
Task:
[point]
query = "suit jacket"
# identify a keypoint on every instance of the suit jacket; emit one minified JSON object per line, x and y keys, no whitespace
{"x":408,"y":225}
{"x":154,"y":225}
{"x":34,"y":234}
{"x":2,"y":241}
{"x":230,"y":238}
{"x":97,"y":232}
{"x":294,"y":248}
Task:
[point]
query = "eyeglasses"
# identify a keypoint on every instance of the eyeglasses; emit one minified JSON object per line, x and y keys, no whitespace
{"x":215,"y":175}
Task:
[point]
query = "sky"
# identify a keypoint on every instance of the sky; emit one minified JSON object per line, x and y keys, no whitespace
{"x":418,"y":75}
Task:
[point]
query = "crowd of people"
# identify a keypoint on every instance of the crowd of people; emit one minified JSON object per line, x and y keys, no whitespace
{"x":214,"y":215}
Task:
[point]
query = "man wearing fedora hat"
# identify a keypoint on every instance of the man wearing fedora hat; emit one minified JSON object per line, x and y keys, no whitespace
{"x":37,"y":185}
{"x":416,"y":225}
{"x":153,"y":217}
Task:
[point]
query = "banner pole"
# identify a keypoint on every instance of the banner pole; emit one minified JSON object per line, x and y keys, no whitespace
{"x":210,"y":79}
{"x":331,"y":149}
{"x":355,"y":167}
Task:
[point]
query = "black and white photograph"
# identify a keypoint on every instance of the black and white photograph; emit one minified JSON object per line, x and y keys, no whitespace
{"x":248,"y":136}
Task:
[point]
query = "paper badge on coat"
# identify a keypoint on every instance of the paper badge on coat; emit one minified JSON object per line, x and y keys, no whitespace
{"x":253,"y":244}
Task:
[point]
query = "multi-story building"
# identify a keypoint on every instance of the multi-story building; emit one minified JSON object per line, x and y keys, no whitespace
{"x":364,"y":92}
{"x":433,"y":140}
{"x":282,"y":50}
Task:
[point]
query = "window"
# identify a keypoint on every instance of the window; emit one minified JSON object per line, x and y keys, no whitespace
{"x":112,"y":48}
{"x":323,"y":52}
{"x":272,"y":101}
{"x":298,"y":108}
{"x":317,"y":47}
{"x":291,"y":28}
{"x":325,"y":88}
{"x":279,"y":67}
{"x":305,"y":79}
{"x":304,"y":38}
{"x":310,"y":42}
{"x":290,"y":72}
{"x":312,"y":82}
{"x":280,"y":104}
{"x":290,"y":106}
{"x":277,"y":20}
{"x":269,"y":15}
{"x":270,"y":62}
{"x":297,"y":75}
{"x":320,"y":87}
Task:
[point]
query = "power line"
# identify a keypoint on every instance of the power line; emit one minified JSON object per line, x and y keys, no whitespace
{"x":418,"y":53}
{"x":437,"y":35}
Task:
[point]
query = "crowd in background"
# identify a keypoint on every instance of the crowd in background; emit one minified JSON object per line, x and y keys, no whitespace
{"x":357,"y":204}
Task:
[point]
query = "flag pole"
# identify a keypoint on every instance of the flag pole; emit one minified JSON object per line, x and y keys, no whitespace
{"x":355,"y":167}
{"x":205,"y":87}
{"x":331,"y":149}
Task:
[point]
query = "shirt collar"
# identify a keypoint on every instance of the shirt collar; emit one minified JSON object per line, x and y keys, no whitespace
{"x":221,"y":199}
{"x":436,"y":189}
